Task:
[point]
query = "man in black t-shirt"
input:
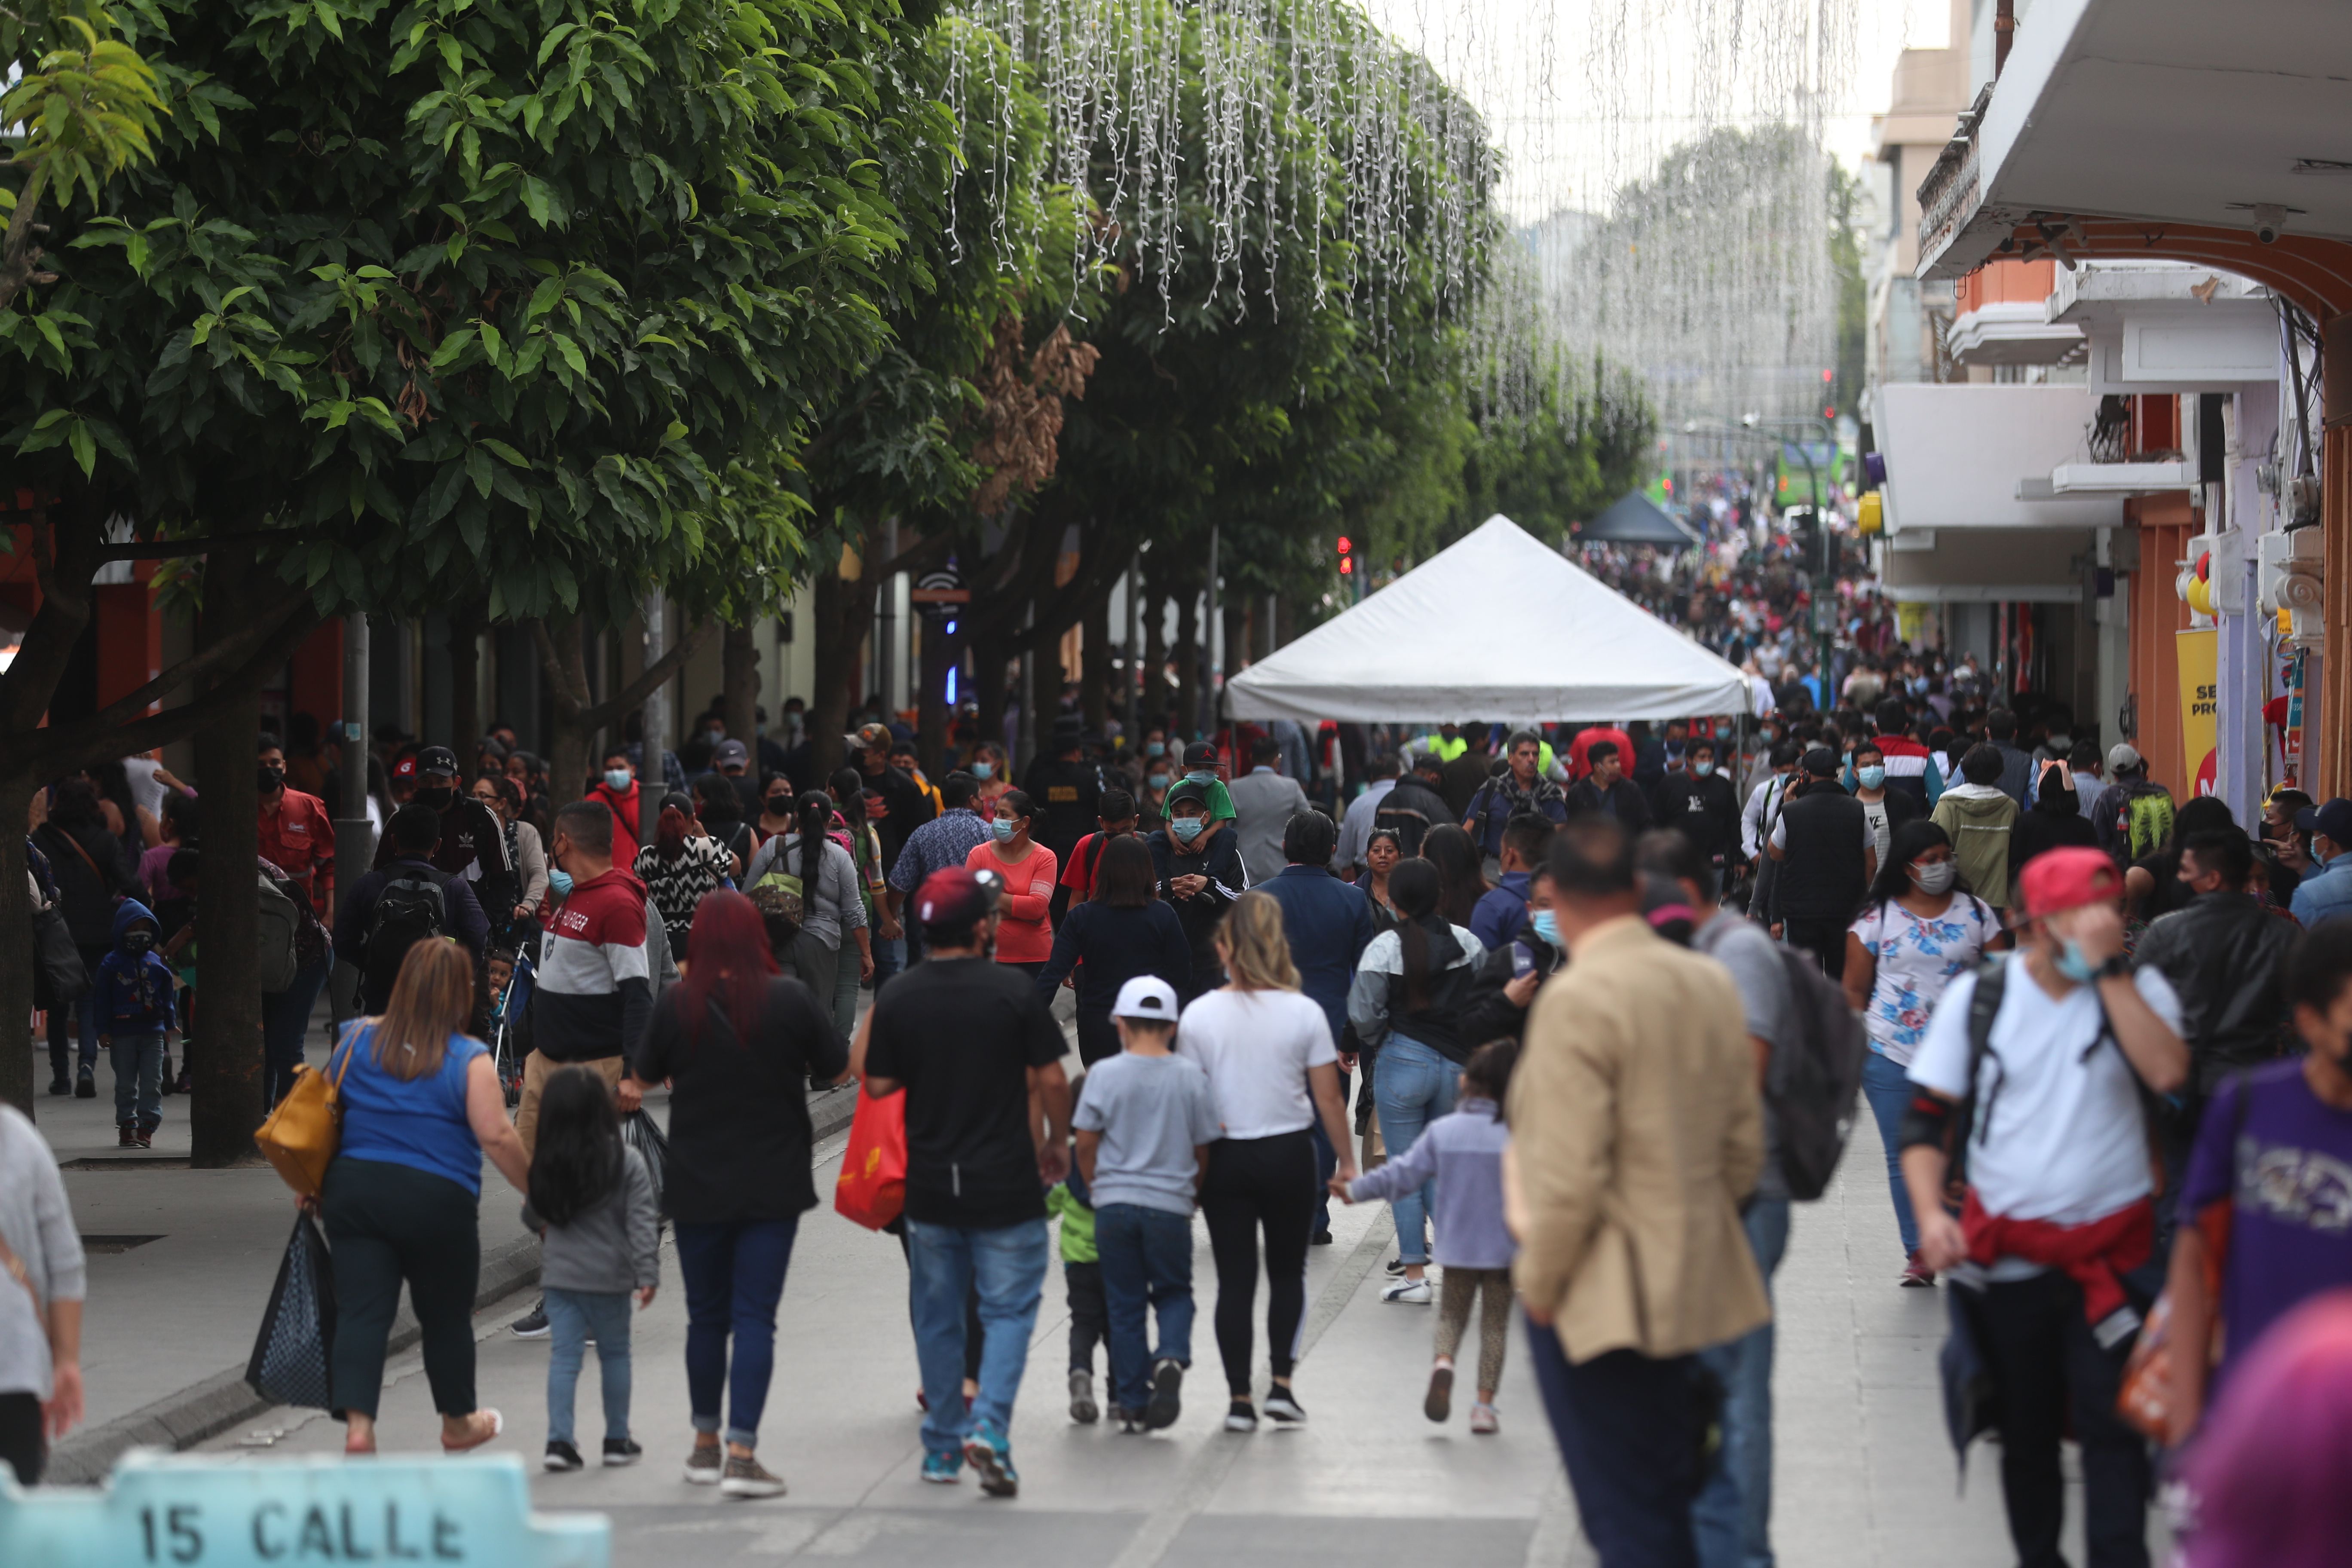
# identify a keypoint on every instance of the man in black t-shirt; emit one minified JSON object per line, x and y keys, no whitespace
{"x":988,"y":1119}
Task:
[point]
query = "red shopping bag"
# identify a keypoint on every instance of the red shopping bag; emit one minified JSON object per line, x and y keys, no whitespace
{"x":873,"y":1186}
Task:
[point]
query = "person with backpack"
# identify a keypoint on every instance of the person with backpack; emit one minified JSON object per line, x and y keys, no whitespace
{"x":403,"y":902}
{"x":1413,"y":806}
{"x":2261,"y":1207}
{"x":1979,"y":816}
{"x":2135,"y":812}
{"x":808,"y":877}
{"x":1118,"y":820}
{"x":1825,"y":853}
{"x":2049,"y":1050}
{"x":1792,"y":1010}
{"x":1920,"y":928}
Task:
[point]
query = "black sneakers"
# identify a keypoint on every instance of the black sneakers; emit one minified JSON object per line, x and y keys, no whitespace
{"x":1167,"y":1383}
{"x":561,"y":1457}
{"x":531,"y":1325}
{"x":1282,"y":1406}
{"x":621,"y":1451}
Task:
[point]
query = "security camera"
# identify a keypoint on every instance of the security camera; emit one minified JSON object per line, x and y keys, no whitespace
{"x":2270,"y":219}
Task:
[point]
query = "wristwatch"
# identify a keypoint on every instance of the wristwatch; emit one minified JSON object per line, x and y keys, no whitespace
{"x":2117,"y":967}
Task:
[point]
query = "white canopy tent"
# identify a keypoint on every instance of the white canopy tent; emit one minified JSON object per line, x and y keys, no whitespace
{"x":1497,"y":626}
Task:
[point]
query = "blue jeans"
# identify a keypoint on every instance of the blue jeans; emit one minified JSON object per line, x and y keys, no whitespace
{"x":1147,"y":1261}
{"x":1733,"y":1515}
{"x":890,"y":957}
{"x":138,"y":1078}
{"x":572,"y":1316}
{"x":944,"y":1263}
{"x":285,"y":1020}
{"x":1327,"y":1161}
{"x":1887,"y":1086}
{"x":734,"y":1275}
{"x":1414,"y":1087}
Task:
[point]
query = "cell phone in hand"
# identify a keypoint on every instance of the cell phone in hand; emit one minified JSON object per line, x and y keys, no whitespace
{"x":1522,"y":961}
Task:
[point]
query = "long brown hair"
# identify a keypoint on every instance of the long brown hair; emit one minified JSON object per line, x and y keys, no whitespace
{"x":1258,"y":954}
{"x":431,"y":1000}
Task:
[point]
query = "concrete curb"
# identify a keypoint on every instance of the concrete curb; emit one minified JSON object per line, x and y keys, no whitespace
{"x":208,"y":1409}
{"x":212,"y":1406}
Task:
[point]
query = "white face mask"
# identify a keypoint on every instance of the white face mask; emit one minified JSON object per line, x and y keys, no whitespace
{"x":1935,"y":877}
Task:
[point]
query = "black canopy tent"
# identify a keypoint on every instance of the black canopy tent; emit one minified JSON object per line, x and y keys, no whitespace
{"x":1634,"y":518}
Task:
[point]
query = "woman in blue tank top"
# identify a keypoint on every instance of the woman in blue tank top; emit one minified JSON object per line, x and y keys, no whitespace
{"x":421,"y":1106}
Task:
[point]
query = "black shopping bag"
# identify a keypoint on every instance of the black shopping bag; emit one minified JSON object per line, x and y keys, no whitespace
{"x":640,"y":1133}
{"x":297,"y":1343}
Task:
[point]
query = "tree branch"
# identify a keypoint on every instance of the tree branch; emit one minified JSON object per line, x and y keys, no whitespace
{"x":63,"y":566}
{"x":638,"y":690}
{"x":162,"y":548}
{"x":221,"y":653}
{"x":569,"y":684}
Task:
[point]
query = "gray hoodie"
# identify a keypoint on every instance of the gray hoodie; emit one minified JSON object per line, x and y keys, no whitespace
{"x":613,"y":1247}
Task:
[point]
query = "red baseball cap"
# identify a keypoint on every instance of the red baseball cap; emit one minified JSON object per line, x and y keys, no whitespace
{"x":404,"y":769}
{"x":2062,"y":879}
{"x":955,"y":894}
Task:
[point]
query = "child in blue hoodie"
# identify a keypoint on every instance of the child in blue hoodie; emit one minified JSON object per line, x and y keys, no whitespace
{"x":134,"y":1006}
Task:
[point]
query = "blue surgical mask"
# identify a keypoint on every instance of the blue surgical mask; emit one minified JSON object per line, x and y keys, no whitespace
{"x":1871,"y":777}
{"x":1157,"y":781}
{"x":1701,"y":768}
{"x":1205,"y":776}
{"x":1547,"y":924}
{"x":1155,"y":749}
{"x":561,"y":881}
{"x":983,"y":770}
{"x":2072,"y":963}
{"x":1004,"y":828}
{"x":1187,"y":828}
{"x":616,"y":778}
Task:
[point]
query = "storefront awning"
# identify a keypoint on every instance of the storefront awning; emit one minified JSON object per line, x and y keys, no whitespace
{"x":1973,"y":455}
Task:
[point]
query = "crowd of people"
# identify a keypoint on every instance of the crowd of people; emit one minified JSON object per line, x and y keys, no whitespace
{"x":1553,"y":994}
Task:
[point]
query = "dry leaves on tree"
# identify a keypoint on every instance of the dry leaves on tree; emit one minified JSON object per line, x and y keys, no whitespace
{"x":1023,"y":415}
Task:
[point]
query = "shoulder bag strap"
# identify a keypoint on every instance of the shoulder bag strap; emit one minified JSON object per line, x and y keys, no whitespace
{"x":75,"y":845}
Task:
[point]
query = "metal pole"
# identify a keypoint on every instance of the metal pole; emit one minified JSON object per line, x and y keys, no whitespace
{"x":657,"y":700}
{"x":354,"y":839}
{"x":1210,"y":635}
{"x":1134,"y":704}
{"x":886,"y":626}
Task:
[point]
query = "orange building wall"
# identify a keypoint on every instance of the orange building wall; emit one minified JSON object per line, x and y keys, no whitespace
{"x":315,"y":682}
{"x":130,"y":637}
{"x":2004,"y":283}
{"x":2156,"y":614}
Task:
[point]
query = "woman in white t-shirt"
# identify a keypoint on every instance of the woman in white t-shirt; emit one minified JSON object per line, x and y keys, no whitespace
{"x":1918,"y":930}
{"x":1264,"y":1046}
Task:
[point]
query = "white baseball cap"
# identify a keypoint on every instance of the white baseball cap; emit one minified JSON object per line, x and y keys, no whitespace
{"x":1146,"y":997}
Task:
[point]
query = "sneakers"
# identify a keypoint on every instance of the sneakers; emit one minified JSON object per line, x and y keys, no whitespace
{"x":1395,"y":1267}
{"x":1167,"y":1384}
{"x":1439,"y":1405}
{"x":1083,"y":1408}
{"x":1241,"y":1418}
{"x":531,"y":1325}
{"x":989,"y":1454}
{"x":621,"y":1451}
{"x":184,"y":1084}
{"x":146,"y":1134}
{"x":85,"y":1086}
{"x":943,"y":1469}
{"x":1282,"y":1407}
{"x":1320,"y":1239}
{"x":1409,"y":1292}
{"x":745,"y":1476}
{"x":703,"y":1464}
{"x":126,"y":1136}
{"x":1916,"y":1275}
{"x":1484,"y":1422}
{"x":1130,"y":1424}
{"x":561,"y":1457}
{"x":60,"y":1086}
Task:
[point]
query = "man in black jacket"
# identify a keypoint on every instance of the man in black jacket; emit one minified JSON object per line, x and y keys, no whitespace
{"x":1822,"y":843}
{"x":1607,"y":790}
{"x":1414,"y":806}
{"x":1698,"y":801}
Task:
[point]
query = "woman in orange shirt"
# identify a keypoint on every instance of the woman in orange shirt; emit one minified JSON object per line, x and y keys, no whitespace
{"x":1025,"y":937}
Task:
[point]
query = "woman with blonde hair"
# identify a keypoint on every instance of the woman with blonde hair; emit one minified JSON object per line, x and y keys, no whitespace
{"x":421,"y":1106}
{"x":1264,"y":1046}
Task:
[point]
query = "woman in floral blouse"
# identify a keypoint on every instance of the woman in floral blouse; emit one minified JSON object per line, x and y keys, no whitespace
{"x":1919,"y":927}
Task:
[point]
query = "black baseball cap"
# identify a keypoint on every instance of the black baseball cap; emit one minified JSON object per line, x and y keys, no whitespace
{"x":2333,"y":817}
{"x":438,"y":760}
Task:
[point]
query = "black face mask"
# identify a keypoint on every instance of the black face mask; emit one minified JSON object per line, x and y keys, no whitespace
{"x":269,"y":779}
{"x":780,"y":805}
{"x":438,"y":799}
{"x":137,"y":941}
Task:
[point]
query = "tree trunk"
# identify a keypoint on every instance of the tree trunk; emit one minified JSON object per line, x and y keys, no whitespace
{"x":844,"y":608}
{"x":990,"y":657}
{"x":1190,"y":662}
{"x":1154,"y":701}
{"x":739,"y":663}
{"x":226,"y":1066}
{"x":17,"y":1078}
{"x":1094,"y":675}
{"x":572,"y":718}
{"x":466,"y":685}
{"x":939,"y":654}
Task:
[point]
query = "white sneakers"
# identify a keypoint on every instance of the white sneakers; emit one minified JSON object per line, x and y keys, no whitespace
{"x":1409,"y":1292}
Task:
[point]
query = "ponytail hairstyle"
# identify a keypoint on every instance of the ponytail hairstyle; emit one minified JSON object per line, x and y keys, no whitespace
{"x":1258,"y":954}
{"x":815,"y":812}
{"x":1413,"y":889}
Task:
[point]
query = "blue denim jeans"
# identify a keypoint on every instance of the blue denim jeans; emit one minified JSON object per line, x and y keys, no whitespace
{"x":1887,"y":1086}
{"x":138,"y":1078}
{"x":1733,"y":1516}
{"x":1008,"y":1266}
{"x":890,"y":957}
{"x":734,"y":1275}
{"x":1327,"y":1161}
{"x":1414,"y":1087}
{"x":1147,"y":1262}
{"x":285,"y":1021}
{"x":573,"y":1318}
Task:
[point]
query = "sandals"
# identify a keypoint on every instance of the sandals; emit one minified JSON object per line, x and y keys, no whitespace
{"x":498,"y":1425}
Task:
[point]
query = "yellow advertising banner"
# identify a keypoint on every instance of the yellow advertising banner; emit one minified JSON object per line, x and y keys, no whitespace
{"x":2199,"y":697}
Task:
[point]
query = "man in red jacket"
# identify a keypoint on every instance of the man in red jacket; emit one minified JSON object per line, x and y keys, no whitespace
{"x":617,"y":788}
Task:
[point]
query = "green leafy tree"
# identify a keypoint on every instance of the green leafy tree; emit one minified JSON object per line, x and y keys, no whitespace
{"x":421,"y":302}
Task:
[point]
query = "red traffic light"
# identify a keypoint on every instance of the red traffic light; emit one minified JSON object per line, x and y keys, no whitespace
{"x":1347,"y":565}
{"x":1344,"y":545}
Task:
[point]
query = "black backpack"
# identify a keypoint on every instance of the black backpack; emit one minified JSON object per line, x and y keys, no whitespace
{"x":1815,"y":1080}
{"x":411,"y":907}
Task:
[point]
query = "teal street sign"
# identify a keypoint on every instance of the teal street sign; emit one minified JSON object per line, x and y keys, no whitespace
{"x":199,"y":1511}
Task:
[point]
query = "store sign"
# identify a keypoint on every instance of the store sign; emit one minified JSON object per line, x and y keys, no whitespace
{"x":940,"y":593}
{"x":2200,"y":696}
{"x":202,"y":1511}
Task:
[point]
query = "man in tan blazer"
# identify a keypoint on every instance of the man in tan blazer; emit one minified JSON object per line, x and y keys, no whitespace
{"x":1635,"y":1134}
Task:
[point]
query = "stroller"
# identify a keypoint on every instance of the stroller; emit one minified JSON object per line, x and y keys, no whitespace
{"x":507,"y":1044}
